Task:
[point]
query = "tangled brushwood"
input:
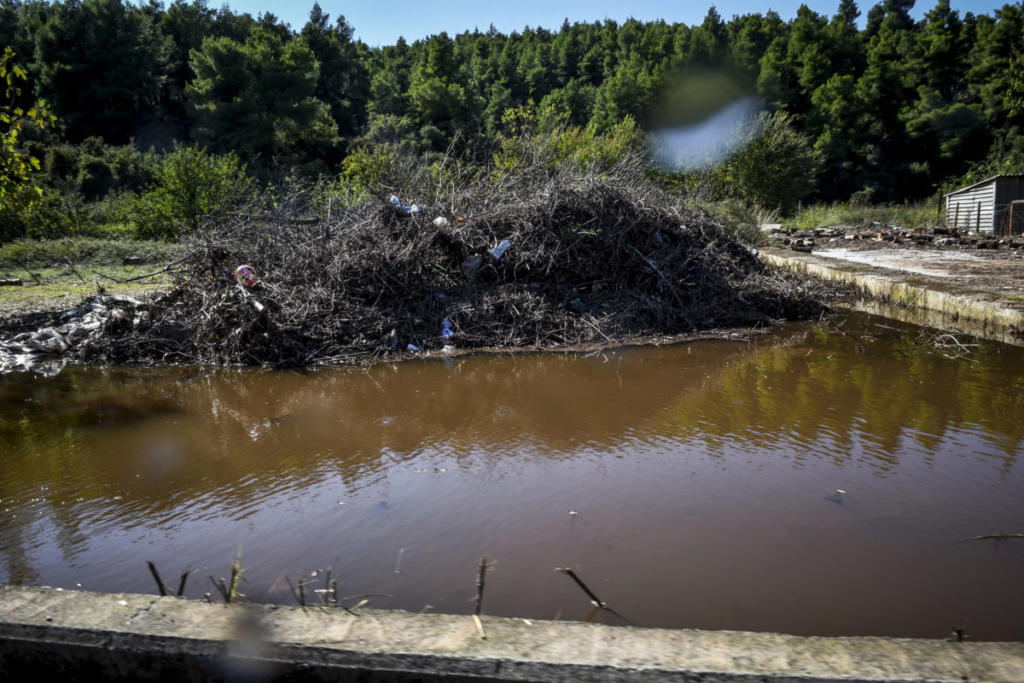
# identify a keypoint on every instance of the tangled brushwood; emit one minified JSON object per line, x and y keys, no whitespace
{"x":588,"y":260}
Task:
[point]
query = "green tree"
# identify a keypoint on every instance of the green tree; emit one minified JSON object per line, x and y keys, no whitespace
{"x":1013,"y":100}
{"x":885,"y":89}
{"x":778,"y":81}
{"x":941,"y":51}
{"x":439,"y":96}
{"x":999,"y":39}
{"x":835,"y":118}
{"x":709,"y":42}
{"x":18,"y":192}
{"x":99,"y":64}
{"x":343,"y":83}
{"x":946,"y":135}
{"x":846,"y":45}
{"x":185,"y":24}
{"x":257,"y":99}
{"x":630,"y":91}
{"x":749,"y":38}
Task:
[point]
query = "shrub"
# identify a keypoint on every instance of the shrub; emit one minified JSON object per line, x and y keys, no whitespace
{"x":82,"y":251}
{"x":18,"y":167}
{"x":188,"y":185}
{"x":775,"y":169}
{"x":916,"y":215}
{"x":542,"y":137}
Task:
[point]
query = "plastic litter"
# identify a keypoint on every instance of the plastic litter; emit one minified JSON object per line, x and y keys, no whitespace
{"x":395,"y":201}
{"x":471,"y":264}
{"x":246,"y":275}
{"x":500,"y":250}
{"x":441,"y":222}
{"x":412,"y":347}
{"x":446,"y":329}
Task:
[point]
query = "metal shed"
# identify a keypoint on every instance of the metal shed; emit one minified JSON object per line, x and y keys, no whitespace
{"x":988,"y":206}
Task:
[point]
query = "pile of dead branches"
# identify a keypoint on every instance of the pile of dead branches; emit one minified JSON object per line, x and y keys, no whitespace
{"x":588,"y":260}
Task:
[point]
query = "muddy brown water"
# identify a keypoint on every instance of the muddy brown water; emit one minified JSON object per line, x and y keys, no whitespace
{"x":703,"y":476}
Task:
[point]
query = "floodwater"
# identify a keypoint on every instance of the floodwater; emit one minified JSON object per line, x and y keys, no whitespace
{"x":703,"y":478}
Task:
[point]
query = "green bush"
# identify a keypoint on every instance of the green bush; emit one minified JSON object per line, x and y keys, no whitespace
{"x":56,"y":214}
{"x":188,"y":185}
{"x":542,"y":137}
{"x":367,"y":166}
{"x":774,"y":170}
{"x":27,"y":253}
{"x":95,"y":169}
{"x":916,"y":215}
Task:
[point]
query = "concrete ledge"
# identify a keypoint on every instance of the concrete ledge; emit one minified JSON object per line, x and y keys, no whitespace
{"x":921,"y":300}
{"x":78,"y":636}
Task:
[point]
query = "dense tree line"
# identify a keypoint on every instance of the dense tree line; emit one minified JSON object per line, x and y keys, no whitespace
{"x":893,"y":110}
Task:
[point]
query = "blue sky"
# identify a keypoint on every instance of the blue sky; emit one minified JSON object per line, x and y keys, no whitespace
{"x":380,"y":23}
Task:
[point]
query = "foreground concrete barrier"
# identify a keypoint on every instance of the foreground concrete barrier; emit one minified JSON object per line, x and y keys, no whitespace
{"x":75,"y":635}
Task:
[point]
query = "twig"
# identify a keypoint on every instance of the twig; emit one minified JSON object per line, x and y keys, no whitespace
{"x":923,"y":290}
{"x":480,"y":577}
{"x":299,"y":598}
{"x":327,"y":587}
{"x":221,"y":588}
{"x":167,"y":268}
{"x":31,"y":274}
{"x":590,"y":594}
{"x":156,"y":577}
{"x":594,"y":600}
{"x":181,"y":583}
{"x":74,"y":270}
{"x":997,"y":537}
{"x":236,"y":573}
{"x":479,"y":627}
{"x":480,"y":584}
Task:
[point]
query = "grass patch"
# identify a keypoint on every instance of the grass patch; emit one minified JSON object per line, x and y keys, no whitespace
{"x":920,"y":215}
{"x":62,"y":288}
{"x":85,"y":251}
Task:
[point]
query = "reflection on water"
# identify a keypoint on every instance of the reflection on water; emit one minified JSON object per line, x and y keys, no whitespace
{"x":704,"y":477}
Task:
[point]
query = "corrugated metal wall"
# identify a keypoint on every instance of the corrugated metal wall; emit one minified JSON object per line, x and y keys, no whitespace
{"x":1009,"y":189}
{"x":973,"y":208}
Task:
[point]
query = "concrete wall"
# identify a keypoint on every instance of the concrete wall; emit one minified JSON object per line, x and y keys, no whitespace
{"x":53,"y":634}
{"x":889,"y":293}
